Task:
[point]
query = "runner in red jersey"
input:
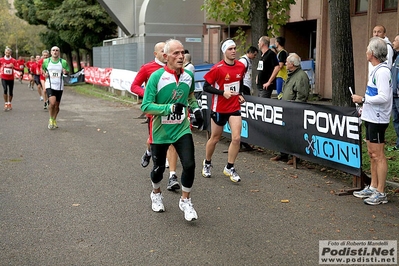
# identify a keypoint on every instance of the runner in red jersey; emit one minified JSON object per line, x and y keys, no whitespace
{"x":29,"y":65}
{"x":225,"y":82}
{"x":141,"y":78}
{"x":7,"y":67}
{"x":45,"y":54}
{"x":36,"y":76}
{"x":21,"y":67}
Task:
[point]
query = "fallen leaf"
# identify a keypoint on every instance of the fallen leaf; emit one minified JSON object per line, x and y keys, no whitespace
{"x":284,"y":201}
{"x":294,"y":176}
{"x":323,"y":169}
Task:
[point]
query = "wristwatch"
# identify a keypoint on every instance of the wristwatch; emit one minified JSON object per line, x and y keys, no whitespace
{"x":363,"y":99}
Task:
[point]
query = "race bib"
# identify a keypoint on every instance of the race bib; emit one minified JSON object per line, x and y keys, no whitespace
{"x":7,"y":71}
{"x":173,"y":118}
{"x":260,"y":65}
{"x":233,"y":86}
{"x":54,"y":74}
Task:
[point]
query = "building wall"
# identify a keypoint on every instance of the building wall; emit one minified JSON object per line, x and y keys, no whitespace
{"x":362,"y":26}
{"x":307,"y":33}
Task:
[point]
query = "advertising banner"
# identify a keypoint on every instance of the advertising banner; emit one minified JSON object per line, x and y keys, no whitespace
{"x":98,"y":76}
{"x":327,"y":135}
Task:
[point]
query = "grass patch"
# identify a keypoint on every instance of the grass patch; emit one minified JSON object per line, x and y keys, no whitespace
{"x":102,"y":93}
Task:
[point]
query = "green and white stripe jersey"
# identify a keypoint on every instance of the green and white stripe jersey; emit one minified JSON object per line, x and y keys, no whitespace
{"x":164,"y":88}
{"x":54,"y":70}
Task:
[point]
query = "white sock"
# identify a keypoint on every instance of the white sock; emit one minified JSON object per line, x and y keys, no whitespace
{"x":171,"y":173}
{"x":148,"y":152}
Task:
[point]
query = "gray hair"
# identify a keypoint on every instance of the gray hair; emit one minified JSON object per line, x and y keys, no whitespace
{"x":167,"y":45}
{"x":187,"y":57}
{"x":294,"y":59}
{"x":8,"y":49}
{"x":378,"y":48}
{"x":265,"y":40}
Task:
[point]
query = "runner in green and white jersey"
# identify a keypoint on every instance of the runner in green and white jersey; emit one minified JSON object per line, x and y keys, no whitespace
{"x":168,"y":92}
{"x":54,"y":68}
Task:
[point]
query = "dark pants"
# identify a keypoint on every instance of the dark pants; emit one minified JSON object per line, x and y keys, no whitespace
{"x":185,"y":149}
{"x":8,"y":87}
{"x":265,"y":93}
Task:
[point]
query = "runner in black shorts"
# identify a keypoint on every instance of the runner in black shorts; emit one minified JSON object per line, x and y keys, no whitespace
{"x":222,"y":119}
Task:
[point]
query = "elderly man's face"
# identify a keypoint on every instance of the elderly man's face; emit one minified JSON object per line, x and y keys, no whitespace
{"x":175,"y":56}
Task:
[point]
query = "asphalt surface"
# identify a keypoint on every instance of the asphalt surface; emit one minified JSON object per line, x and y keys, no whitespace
{"x":77,"y":195}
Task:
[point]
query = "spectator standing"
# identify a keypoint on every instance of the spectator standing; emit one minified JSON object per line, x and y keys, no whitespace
{"x":380,"y":31}
{"x":54,"y":69}
{"x":225,"y":81}
{"x":168,"y":92}
{"x":377,"y":107}
{"x":7,"y":67}
{"x":282,"y":73}
{"x":141,"y":78}
{"x":247,"y":59}
{"x":295,"y":89}
{"x":268,"y":68}
{"x":395,"y":90}
{"x":187,"y":62}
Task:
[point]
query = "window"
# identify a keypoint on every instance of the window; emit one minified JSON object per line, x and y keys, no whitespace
{"x":361,"y":6}
{"x":390,"y":5}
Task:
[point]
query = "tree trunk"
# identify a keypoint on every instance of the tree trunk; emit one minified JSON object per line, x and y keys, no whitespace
{"x":70,"y":62}
{"x":78,"y":59}
{"x":258,"y":20}
{"x":341,"y":53}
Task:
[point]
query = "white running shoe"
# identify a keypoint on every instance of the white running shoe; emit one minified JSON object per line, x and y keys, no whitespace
{"x":206,"y":170}
{"x":157,"y":204}
{"x":187,"y":207}
{"x":232,"y":174}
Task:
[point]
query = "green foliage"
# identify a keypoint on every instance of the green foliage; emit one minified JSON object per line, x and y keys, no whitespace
{"x":240,"y":38}
{"x":15,"y":33}
{"x":278,"y":15}
{"x":229,"y":11}
{"x":73,"y":25}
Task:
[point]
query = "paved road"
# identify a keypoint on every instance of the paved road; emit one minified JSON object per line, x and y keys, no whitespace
{"x":77,"y":195}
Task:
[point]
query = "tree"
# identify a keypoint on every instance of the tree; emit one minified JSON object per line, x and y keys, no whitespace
{"x":15,"y":33}
{"x":264,"y":16}
{"x":341,"y":53}
{"x":73,"y":24}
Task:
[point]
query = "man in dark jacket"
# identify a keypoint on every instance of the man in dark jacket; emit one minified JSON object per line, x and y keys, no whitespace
{"x":296,"y":88}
